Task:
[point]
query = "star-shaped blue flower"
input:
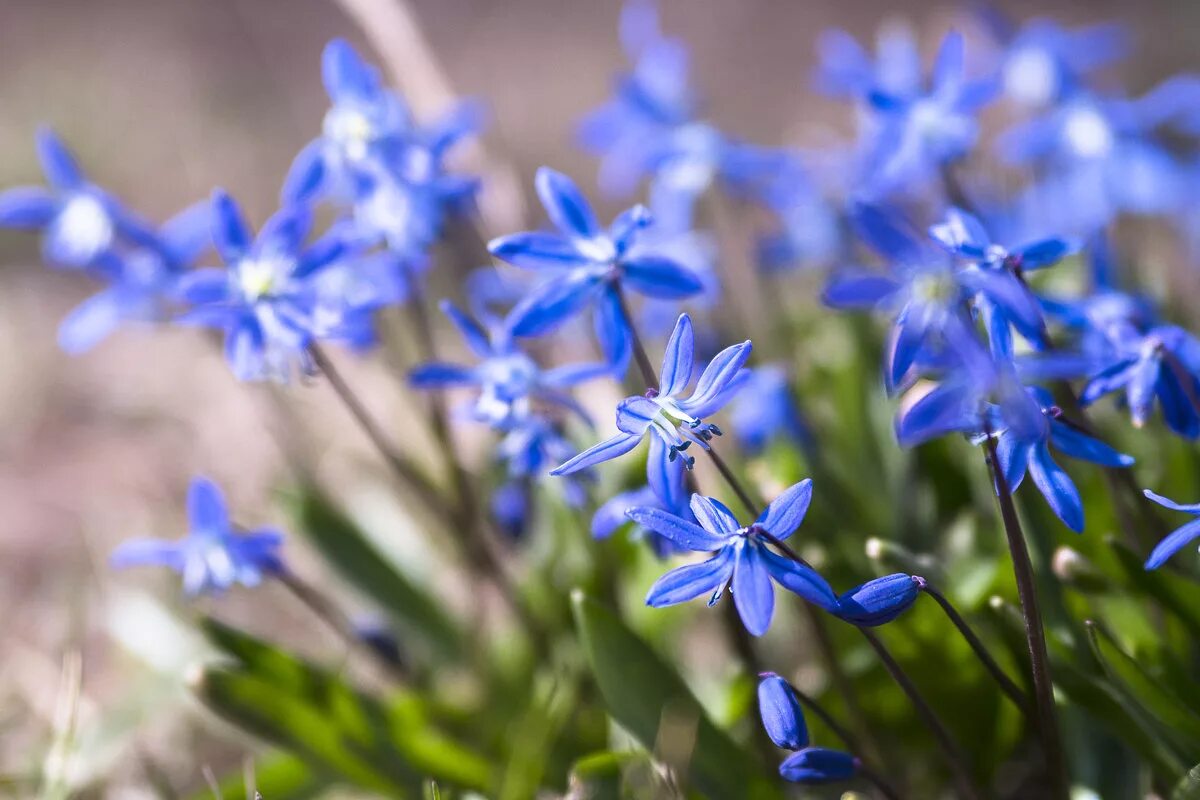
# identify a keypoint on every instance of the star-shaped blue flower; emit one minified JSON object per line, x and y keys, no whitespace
{"x":213,"y":556}
{"x":587,"y":266}
{"x":673,"y":421}
{"x":741,"y":561}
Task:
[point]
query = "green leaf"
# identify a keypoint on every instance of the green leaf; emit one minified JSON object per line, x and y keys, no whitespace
{"x":314,"y":713}
{"x":278,"y":776}
{"x":1178,"y":722}
{"x":644,"y":694}
{"x":603,"y":776}
{"x":1188,"y":787}
{"x":1176,"y":595}
{"x":352,"y":554}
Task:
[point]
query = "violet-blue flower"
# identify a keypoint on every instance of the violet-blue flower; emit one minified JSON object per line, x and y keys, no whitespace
{"x":741,"y":561}
{"x":587,"y":265}
{"x":213,"y":556}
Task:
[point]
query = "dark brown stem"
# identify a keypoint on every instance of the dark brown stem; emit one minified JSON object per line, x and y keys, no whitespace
{"x":954,"y":755}
{"x":1035,"y":635}
{"x":639,"y":350}
{"x":1006,"y":683}
{"x":734,"y":484}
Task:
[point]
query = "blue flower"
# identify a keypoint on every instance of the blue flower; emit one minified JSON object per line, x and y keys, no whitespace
{"x":506,"y":377}
{"x":741,"y":559}
{"x":213,"y":556}
{"x":1044,"y":62}
{"x":142,"y":281}
{"x":814,"y":766}
{"x":1175,"y":541}
{"x":264,"y":300}
{"x":674,"y":422}
{"x":1160,"y":364}
{"x":765,"y":410}
{"x":782,"y":717}
{"x":81,"y":223}
{"x":927,"y":295}
{"x":913,"y":134}
{"x":1025,"y":448}
{"x":878,"y":601}
{"x":846,"y":70}
{"x":808,"y":233}
{"x":587,"y":266}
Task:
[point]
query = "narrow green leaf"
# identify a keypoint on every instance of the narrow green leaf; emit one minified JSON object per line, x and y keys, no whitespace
{"x":352,"y":554}
{"x":645,"y":695}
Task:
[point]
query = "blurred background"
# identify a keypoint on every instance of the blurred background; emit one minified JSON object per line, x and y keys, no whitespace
{"x":164,"y":99}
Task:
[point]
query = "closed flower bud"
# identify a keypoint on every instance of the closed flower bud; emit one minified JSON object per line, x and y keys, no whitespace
{"x":1076,"y":571}
{"x":814,"y":765}
{"x":878,"y":601}
{"x":781,"y":714}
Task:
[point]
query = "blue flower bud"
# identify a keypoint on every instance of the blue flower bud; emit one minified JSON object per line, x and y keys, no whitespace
{"x":878,"y":601}
{"x":814,"y":765}
{"x":781,"y":714}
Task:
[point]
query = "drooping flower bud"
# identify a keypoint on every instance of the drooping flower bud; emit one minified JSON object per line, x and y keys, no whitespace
{"x":782,"y":716}
{"x":878,"y":601}
{"x":816,"y":765}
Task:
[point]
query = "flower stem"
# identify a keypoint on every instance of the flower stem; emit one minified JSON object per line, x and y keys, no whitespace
{"x":1035,"y":635}
{"x":954,"y":755}
{"x":331,"y":615}
{"x":1006,"y":683}
{"x":639,"y":349}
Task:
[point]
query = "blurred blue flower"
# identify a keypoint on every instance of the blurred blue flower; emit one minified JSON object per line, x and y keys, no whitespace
{"x":610,"y":516}
{"x":926,"y":293}
{"x":845,"y":69}
{"x":1025,"y":448}
{"x":741,"y":561}
{"x":264,"y":299}
{"x":673,"y":422}
{"x":808,"y":232}
{"x":142,"y":281}
{"x":587,"y":266}
{"x":1175,"y":541}
{"x":80,"y":222}
{"x":213,"y":556}
{"x":508,"y":380}
{"x":1044,"y":62}
{"x":1163,"y":364}
{"x":765,"y":410}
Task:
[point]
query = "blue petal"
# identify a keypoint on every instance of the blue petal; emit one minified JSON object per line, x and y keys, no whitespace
{"x":536,"y":250}
{"x":610,"y":516}
{"x":948,"y":64}
{"x":1013,"y":455}
{"x":321,"y":254}
{"x":710,"y":392}
{"x":665,"y":475}
{"x":613,"y":331}
{"x":475,"y":336}
{"x":306,"y":177}
{"x":551,"y":304}
{"x":878,"y":601}
{"x":690,"y":581}
{"x":785,"y":513}
{"x":283,"y":233}
{"x":438,"y":375}
{"x":203,"y":286}
{"x":569,"y":375}
{"x":962,"y":234}
{"x":90,"y":321}
{"x":655,"y":276}
{"x":566,"y":206}
{"x":1003,"y":288}
{"x":945,"y":409}
{"x":800,"y":580}
{"x":1079,"y":445}
{"x":1056,"y":487}
{"x":1110,"y":379}
{"x":147,"y":552}
{"x":607,"y":450}
{"x":886,"y":232}
{"x":244,"y":349}
{"x":627,"y":224}
{"x":634,"y":414}
{"x":27,"y":207}
{"x":678,"y":359}
{"x":345,"y":74}
{"x":713,"y":515}
{"x":1044,"y":253}
{"x":189,"y":233}
{"x":206,"y":508}
{"x":782,"y":717}
{"x":1172,"y":544}
{"x":687,"y":535}
{"x":230,"y":235}
{"x":907,"y":338}
{"x":753,"y":593}
{"x":1141,"y":388}
{"x":852,"y":289}
{"x":1190,"y":508}
{"x":817,"y":765}
{"x":57,"y":162}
